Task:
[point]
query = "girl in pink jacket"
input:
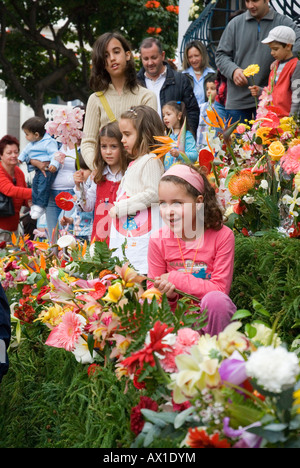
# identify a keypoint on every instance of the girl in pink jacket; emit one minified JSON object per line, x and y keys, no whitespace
{"x":194,"y":251}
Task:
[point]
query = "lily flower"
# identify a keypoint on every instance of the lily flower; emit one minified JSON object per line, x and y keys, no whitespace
{"x":129,"y":275}
{"x":292,"y":201}
{"x":115,"y":292}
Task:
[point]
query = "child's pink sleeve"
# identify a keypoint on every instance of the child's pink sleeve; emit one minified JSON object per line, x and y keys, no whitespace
{"x":156,"y":263}
{"x":221,"y":275}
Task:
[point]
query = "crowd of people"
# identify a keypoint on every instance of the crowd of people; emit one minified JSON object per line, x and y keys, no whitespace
{"x":163,"y":211}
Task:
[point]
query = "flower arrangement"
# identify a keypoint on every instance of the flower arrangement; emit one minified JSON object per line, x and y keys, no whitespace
{"x":255,"y":170}
{"x":240,"y":389}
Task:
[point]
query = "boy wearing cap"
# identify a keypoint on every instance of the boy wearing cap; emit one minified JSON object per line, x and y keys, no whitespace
{"x":284,"y":79}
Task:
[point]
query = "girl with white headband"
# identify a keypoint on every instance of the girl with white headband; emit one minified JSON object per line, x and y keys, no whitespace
{"x":194,"y":251}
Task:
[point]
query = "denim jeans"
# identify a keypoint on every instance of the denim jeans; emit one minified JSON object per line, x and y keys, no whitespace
{"x":241,"y":114}
{"x":53,"y":212}
{"x":41,"y":187}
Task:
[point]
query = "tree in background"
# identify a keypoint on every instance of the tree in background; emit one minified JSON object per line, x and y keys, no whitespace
{"x":45,"y":45}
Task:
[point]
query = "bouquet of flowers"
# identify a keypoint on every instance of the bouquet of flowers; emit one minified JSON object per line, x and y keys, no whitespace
{"x":237,"y":390}
{"x":256,"y":172}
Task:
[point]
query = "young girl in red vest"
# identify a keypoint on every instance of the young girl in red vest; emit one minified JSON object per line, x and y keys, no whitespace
{"x":110,"y":165}
{"x":285,"y":74}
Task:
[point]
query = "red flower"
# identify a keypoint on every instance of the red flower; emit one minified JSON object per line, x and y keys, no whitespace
{"x":200,"y":439}
{"x":239,"y":207}
{"x":152,"y":4}
{"x":245,"y":232}
{"x":26,"y":290}
{"x":153,"y":30}
{"x":157,"y":334}
{"x":173,"y":9}
{"x":93,"y":369}
{"x":65,"y":201}
{"x":2,"y":245}
{"x":44,"y":290}
{"x":136,"y":418}
{"x":205,"y":159}
{"x":136,"y":383}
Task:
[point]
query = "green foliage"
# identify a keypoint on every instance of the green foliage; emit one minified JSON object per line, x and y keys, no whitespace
{"x":55,"y":38}
{"x":136,"y":319}
{"x":48,"y":401}
{"x":267,"y":269}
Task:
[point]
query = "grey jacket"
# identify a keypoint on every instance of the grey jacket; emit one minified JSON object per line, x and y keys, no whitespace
{"x":240,"y":46}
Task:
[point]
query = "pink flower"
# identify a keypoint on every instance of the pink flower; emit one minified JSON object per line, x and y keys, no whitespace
{"x":66,"y":126}
{"x":290,"y":162}
{"x":67,"y":333}
{"x":186,"y":337}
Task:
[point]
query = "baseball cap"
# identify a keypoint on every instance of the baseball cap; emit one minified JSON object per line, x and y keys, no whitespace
{"x":281,"y":34}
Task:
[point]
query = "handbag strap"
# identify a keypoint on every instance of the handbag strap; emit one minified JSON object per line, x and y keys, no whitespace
{"x":106,"y":106}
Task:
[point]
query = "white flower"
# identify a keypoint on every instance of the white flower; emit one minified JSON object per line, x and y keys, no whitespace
{"x":264,"y":184}
{"x":292,"y":201}
{"x":249,"y":199}
{"x":275,"y":369}
{"x":82,"y":353}
{"x":67,"y":241}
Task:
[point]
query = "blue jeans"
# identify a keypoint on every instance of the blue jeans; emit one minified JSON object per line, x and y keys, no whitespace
{"x":41,"y":187}
{"x":53,"y":212}
{"x":241,"y":114}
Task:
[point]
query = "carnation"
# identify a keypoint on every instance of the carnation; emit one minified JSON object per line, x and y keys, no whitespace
{"x":290,"y":163}
{"x":275,"y":369}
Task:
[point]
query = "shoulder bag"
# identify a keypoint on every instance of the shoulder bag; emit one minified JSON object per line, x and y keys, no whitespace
{"x":106,"y":106}
{"x":6,"y":206}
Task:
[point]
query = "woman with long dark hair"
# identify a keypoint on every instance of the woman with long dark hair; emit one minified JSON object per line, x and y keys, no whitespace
{"x":114,"y":82}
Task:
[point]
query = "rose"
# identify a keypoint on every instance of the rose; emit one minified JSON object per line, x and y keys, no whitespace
{"x":276,"y":150}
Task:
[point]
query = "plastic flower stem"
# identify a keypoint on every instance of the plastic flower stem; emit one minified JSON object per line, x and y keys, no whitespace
{"x":178,"y":291}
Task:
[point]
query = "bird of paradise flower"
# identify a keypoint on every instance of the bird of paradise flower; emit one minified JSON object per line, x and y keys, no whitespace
{"x":224,"y":127}
{"x":167,"y":144}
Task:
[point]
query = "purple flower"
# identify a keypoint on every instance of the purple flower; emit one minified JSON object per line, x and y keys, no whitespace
{"x":246,"y":439}
{"x":233,"y":369}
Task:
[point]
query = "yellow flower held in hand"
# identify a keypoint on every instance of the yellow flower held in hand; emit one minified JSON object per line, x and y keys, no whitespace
{"x":276,"y":150}
{"x":251,"y":70}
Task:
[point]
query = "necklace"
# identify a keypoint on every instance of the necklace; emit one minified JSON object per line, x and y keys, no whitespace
{"x":182,"y":257}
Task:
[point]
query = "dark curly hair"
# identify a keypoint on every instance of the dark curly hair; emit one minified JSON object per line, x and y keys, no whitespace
{"x":8,"y":140}
{"x":100,"y":78}
{"x":213,"y":216}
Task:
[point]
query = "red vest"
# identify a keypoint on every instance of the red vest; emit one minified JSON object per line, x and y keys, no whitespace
{"x":282,"y":93}
{"x":105,"y":197}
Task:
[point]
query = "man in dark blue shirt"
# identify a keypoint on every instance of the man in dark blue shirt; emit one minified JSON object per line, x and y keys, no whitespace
{"x":5,"y":332}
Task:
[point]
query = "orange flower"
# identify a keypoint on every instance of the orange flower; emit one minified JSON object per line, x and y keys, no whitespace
{"x":152,"y":4}
{"x":241,"y":182}
{"x":153,"y":30}
{"x":198,"y":438}
{"x":173,"y":9}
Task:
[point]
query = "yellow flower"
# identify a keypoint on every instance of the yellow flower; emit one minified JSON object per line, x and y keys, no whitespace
{"x":276,"y":150}
{"x":251,"y":70}
{"x":195,"y":372}
{"x":150,"y":293}
{"x":296,"y":396}
{"x":53,"y":315}
{"x":297,"y":181}
{"x":115,"y":292}
{"x":263,"y":133}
